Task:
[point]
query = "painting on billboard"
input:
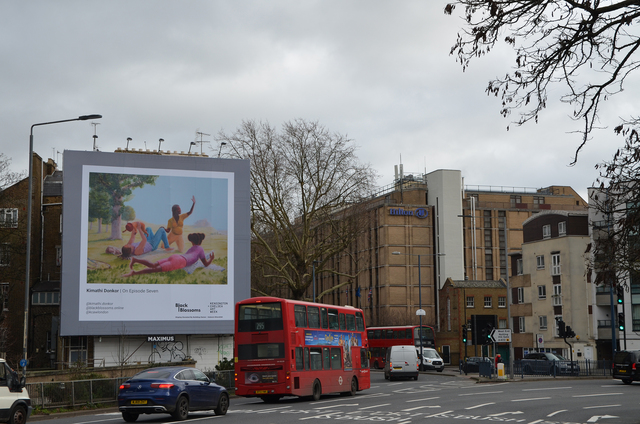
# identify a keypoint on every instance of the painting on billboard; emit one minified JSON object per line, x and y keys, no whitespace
{"x":136,"y":234}
{"x":157,"y":242}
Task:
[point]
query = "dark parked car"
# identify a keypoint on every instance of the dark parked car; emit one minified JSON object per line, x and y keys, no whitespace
{"x":626,"y":366}
{"x":546,"y":363}
{"x":170,"y":390}
{"x":472,"y":364}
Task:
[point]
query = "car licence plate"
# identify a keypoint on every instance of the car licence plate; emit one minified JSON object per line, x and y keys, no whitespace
{"x":397,"y":368}
{"x":138,"y":402}
{"x":262,"y":392}
{"x":622,"y":370}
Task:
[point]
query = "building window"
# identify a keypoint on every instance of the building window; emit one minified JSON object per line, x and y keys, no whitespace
{"x":58,"y":255}
{"x":557,"y":295}
{"x":520,"y":294}
{"x":515,"y":200}
{"x":521,"y":324}
{"x":543,"y":322}
{"x":502,"y":301}
{"x":519,"y":270}
{"x":546,"y":231}
{"x":4,"y":292}
{"x":5,"y":254}
{"x":542,"y":292}
{"x":502,"y":323}
{"x":537,"y":201}
{"x":635,"y":301}
{"x":9,"y":218}
{"x":45,"y":298}
{"x":555,"y":264}
{"x":540,"y":262}
{"x":487,"y":302}
{"x":470,"y":303}
{"x":562,"y":228}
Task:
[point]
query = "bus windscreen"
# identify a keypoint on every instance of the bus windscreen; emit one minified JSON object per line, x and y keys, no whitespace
{"x":260,"y":317}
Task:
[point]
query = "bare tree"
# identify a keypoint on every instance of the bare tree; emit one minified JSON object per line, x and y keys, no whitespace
{"x":589,"y":46}
{"x":306,"y":185}
{"x":616,"y":200}
{"x":8,"y":177}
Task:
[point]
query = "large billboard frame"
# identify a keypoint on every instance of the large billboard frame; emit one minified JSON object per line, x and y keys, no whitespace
{"x":83,"y":294}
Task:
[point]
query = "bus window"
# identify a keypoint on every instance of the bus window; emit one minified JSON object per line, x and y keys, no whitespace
{"x":377,"y":334}
{"x":299,"y":361}
{"x":351,"y":322}
{"x":359,"y":321}
{"x":389,"y":334}
{"x":306,"y":358}
{"x":261,"y":351}
{"x":323,"y":318}
{"x":333,"y":319}
{"x":301,"y":315}
{"x":260,"y":317}
{"x":343,"y":325}
{"x":326,"y":360}
{"x":370,"y":334}
{"x":336,"y":358}
{"x":314,"y":317}
{"x":316,"y":358}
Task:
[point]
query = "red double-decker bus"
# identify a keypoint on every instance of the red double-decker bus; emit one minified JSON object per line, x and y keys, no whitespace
{"x":292,"y":348}
{"x":382,"y":338}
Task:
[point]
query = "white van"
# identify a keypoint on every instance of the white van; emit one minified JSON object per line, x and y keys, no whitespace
{"x":15,"y":404}
{"x":402,"y":361}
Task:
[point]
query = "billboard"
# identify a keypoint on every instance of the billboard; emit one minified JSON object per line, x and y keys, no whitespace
{"x":153,"y":244}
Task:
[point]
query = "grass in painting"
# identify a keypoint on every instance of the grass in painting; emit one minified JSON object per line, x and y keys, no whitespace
{"x":105,"y":268}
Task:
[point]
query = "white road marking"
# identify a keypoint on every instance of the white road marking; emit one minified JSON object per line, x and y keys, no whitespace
{"x":506,"y":413}
{"x":477,"y":394}
{"x":420,"y":407}
{"x":420,"y":400}
{"x":557,"y":412}
{"x":547,"y":388}
{"x":528,"y":399}
{"x":597,"y":394}
{"x":599,"y":406}
{"x":374,"y":406}
{"x":595,"y":418}
{"x":481,"y":405}
{"x":337,"y":406}
{"x":439,"y":413}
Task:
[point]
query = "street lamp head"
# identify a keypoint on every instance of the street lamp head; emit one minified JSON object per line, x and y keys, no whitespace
{"x":87,"y":117}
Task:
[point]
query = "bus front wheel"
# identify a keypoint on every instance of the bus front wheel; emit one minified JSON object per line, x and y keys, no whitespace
{"x":317,"y":391}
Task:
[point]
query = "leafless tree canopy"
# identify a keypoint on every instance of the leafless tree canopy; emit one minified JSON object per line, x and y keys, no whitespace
{"x":588,"y":45}
{"x":7,"y":177}
{"x":616,"y":247}
{"x":305,"y":184}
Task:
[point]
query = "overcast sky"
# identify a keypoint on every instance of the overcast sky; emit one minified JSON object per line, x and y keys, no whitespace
{"x":377,"y":71}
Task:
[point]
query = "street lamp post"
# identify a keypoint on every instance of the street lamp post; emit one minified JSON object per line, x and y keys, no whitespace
{"x":29,"y":207}
{"x":420,"y":312}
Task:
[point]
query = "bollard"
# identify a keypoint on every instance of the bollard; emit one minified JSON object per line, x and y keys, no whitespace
{"x":501,"y":375}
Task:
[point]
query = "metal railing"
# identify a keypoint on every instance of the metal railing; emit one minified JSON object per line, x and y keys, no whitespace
{"x":524,"y":369}
{"x":103,"y":391}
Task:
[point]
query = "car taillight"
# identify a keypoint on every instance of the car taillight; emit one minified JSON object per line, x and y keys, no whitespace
{"x":125,"y":386}
{"x":633,"y":367}
{"x":161,"y":385}
{"x":390,"y":364}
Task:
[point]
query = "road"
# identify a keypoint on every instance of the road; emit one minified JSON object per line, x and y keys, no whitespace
{"x":436,"y":398}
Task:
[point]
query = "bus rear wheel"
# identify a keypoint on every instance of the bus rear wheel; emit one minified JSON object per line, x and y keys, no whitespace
{"x":317,"y":391}
{"x":353,"y":389}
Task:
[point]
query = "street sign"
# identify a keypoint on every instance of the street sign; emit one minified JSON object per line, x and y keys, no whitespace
{"x":501,"y":335}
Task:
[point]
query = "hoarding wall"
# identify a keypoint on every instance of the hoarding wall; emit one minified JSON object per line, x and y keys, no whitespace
{"x":185,"y":221}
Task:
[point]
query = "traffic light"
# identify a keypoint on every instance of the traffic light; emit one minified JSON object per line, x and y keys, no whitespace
{"x":569,"y":333}
{"x":489,"y":330}
{"x":464,"y":334}
{"x":620,"y":294}
{"x":621,"y":321}
{"x":561,"y":328}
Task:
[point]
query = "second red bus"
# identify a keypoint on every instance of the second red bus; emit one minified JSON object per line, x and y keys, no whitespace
{"x":382,"y":338}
